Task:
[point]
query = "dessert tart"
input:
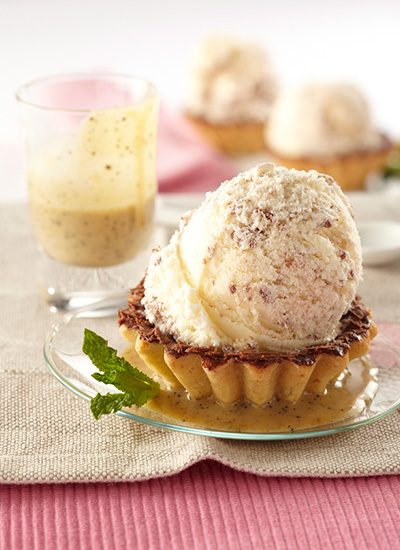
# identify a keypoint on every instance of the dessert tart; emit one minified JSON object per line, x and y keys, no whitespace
{"x":256,"y":376}
{"x":231,"y":87}
{"x":349,"y":170}
{"x":327,"y":127}
{"x":231,"y":138}
{"x":251,"y":310}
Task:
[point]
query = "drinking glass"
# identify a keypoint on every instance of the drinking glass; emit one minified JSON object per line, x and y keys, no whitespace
{"x":90,"y":143}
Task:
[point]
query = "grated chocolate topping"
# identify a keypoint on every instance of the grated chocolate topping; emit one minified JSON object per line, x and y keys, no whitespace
{"x":356,"y":324}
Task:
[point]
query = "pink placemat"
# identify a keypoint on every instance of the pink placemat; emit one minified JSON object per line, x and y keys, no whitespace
{"x":207,"y":506}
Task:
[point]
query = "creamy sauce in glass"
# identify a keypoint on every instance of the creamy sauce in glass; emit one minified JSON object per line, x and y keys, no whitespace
{"x":91,"y":194}
{"x":344,"y":399}
{"x":92,"y":237}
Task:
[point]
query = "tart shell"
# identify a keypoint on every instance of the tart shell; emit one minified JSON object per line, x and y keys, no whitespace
{"x":349,"y":171}
{"x":232,"y":139}
{"x":258,"y":376}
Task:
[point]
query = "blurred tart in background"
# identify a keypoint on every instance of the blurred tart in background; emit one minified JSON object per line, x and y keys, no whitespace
{"x":231,"y":89}
{"x":327,"y":127}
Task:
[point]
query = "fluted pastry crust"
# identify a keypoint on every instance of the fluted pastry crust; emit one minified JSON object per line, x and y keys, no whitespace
{"x":348,"y":170}
{"x":258,"y":376}
{"x":233,"y":138}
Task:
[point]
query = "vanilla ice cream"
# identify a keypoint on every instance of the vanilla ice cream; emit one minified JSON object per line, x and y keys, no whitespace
{"x":230,"y":82}
{"x":321,"y":120}
{"x":270,"y":260}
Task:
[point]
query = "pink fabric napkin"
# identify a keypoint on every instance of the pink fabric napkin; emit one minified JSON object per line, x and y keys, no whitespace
{"x":186,"y":162}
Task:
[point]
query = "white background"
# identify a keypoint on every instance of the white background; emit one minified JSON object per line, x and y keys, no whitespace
{"x":353,"y":40}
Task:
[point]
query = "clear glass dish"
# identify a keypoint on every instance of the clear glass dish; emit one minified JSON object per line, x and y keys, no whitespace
{"x":66,"y":361}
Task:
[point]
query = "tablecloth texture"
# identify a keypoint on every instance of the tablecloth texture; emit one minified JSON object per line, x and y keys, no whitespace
{"x":47,"y":434}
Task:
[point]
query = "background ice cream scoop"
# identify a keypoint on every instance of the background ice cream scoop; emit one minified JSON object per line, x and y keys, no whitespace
{"x":321,"y":120}
{"x":271,"y":260}
{"x":230,"y":81}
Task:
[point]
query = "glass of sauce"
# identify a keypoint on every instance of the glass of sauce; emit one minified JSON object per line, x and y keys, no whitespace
{"x":91,"y":167}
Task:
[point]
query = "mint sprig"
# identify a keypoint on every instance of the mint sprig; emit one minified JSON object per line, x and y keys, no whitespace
{"x":137,"y":388}
{"x":393,"y":164}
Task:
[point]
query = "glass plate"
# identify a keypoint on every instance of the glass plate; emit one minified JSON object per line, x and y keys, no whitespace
{"x":66,"y":361}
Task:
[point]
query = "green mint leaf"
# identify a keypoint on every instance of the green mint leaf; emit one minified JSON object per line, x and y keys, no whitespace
{"x":137,"y":388}
{"x":393,"y":164}
{"x":111,"y":402}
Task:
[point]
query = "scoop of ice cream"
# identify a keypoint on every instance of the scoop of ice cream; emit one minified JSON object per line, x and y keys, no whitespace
{"x":229,"y":82}
{"x":270,"y":260}
{"x":321,"y":120}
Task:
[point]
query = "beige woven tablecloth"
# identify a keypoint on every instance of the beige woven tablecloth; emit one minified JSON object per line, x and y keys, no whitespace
{"x":48,"y":434}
